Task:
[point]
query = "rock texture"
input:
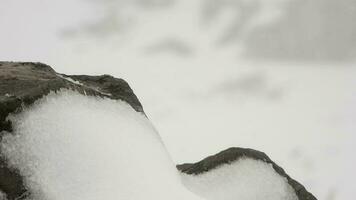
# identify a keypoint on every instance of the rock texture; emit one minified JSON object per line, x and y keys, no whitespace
{"x":22,"y":83}
{"x":233,"y":154}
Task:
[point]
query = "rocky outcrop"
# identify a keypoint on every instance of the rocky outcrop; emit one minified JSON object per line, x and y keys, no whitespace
{"x":22,"y":83}
{"x":233,"y":154}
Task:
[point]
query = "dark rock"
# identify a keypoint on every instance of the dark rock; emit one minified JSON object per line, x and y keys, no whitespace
{"x":233,"y":154}
{"x":22,"y":83}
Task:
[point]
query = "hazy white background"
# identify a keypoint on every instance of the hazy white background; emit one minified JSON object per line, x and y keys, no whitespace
{"x":275,"y":75}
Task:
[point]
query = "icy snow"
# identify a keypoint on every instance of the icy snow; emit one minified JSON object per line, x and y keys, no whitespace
{"x":245,"y":179}
{"x":71,"y":146}
{"x":314,"y":118}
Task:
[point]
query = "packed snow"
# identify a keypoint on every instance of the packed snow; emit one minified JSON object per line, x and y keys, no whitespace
{"x":245,"y":179}
{"x":204,"y":96}
{"x":71,"y":146}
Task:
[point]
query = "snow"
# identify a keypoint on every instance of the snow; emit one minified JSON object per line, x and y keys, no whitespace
{"x":301,"y":114}
{"x":2,"y":196}
{"x":245,"y":179}
{"x":71,"y":146}
{"x":70,"y":80}
{"x":81,"y":84}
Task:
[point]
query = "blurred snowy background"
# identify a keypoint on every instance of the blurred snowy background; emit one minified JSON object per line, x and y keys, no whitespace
{"x":275,"y":75}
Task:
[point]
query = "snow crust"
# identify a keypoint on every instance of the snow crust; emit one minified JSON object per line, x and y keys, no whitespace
{"x":71,"y":146}
{"x":245,"y":179}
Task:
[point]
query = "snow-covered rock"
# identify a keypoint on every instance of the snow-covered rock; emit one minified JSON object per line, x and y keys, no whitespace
{"x":21,"y":84}
{"x":240,"y":173}
{"x":87,"y":137}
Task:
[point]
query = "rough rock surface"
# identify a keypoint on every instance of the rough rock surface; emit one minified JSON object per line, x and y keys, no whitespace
{"x":233,"y":154}
{"x":22,"y":83}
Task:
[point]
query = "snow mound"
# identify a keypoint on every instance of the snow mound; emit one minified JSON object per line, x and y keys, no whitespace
{"x":71,"y":146}
{"x":244,"y":179}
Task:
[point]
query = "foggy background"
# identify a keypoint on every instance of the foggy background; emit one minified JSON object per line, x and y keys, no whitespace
{"x":274,"y":75}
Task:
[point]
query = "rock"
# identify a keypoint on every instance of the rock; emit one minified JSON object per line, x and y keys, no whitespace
{"x":22,"y":83}
{"x":233,"y":154}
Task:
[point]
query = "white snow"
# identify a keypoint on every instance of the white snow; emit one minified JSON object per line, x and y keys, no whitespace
{"x":245,"y":179}
{"x":70,"y":79}
{"x":2,"y":196}
{"x":312,"y":111}
{"x":81,"y":84}
{"x":71,"y":146}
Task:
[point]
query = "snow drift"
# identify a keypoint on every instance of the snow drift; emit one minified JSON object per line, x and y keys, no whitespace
{"x":71,"y":146}
{"x":241,"y":173}
{"x":245,"y":179}
{"x":87,"y":137}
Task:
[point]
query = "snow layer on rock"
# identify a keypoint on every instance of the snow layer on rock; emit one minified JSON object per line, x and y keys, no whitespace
{"x":69,"y":79}
{"x":71,"y":146}
{"x":245,"y":179}
{"x":2,"y":196}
